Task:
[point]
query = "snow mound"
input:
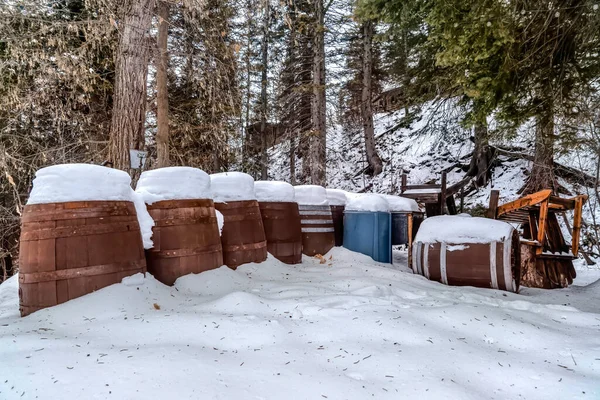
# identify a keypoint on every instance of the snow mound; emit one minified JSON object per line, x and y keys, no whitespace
{"x":232,"y":186}
{"x":220,"y":221}
{"x":336,"y":197}
{"x":367,"y":202}
{"x":313,"y":195}
{"x":403,"y":204}
{"x":272,"y":191}
{"x":79,"y":182}
{"x":88,"y":182}
{"x":460,"y":229}
{"x":174,"y":183}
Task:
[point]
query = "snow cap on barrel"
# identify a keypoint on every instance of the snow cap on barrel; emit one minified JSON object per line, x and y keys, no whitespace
{"x":65,"y":183}
{"x":369,"y":202}
{"x":79,"y":182}
{"x":313,"y":195}
{"x":274,"y":191}
{"x":336,"y":197}
{"x":457,"y":229}
{"x":401,"y":204}
{"x":232,"y":186}
{"x":174,"y":183}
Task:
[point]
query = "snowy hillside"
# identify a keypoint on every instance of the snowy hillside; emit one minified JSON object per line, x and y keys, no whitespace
{"x":433,"y":142}
{"x":348,"y":328}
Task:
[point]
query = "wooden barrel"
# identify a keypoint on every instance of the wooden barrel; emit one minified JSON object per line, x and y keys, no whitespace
{"x":243,"y":237}
{"x":495,"y":265}
{"x":282,"y":230}
{"x":318,"y":235}
{"x":71,"y":249}
{"x":186,"y":239}
{"x":337,"y":215}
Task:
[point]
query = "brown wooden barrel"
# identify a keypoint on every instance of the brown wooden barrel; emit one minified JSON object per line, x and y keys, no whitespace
{"x":281,"y":221}
{"x":243,"y":237}
{"x":495,"y":265}
{"x":186,"y":239}
{"x":337,"y":215}
{"x":318,"y":235}
{"x":71,"y":249}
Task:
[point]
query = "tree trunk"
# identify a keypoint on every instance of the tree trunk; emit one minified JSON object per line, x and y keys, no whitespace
{"x":318,"y":134}
{"x":375,"y":164}
{"x":482,"y":156}
{"x":542,"y":170}
{"x":263,"y":93}
{"x":162,"y":98}
{"x":292,"y":159}
{"x":131,"y":73}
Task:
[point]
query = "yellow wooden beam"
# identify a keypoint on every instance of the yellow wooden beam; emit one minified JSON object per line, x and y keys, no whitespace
{"x":526,"y":201}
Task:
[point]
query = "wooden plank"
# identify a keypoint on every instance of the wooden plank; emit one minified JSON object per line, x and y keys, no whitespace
{"x":532,"y":199}
{"x":493,"y":207}
{"x":569,"y":204}
{"x":542,"y":223}
{"x":443,"y":194}
{"x":576,"y":225}
{"x":403,"y":183}
{"x":432,"y":186}
{"x":533,"y":226}
{"x":410,"y":239}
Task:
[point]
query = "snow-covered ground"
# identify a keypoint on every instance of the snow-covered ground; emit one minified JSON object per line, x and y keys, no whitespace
{"x":348,"y":328}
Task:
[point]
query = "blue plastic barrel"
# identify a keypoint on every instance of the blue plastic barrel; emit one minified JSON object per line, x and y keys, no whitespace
{"x":369,"y":233}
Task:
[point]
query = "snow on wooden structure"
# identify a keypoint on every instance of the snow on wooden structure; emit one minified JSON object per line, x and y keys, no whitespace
{"x":243,"y":236}
{"x":436,"y":197}
{"x":281,"y":220}
{"x":186,"y":233}
{"x":318,"y":234}
{"x":468,"y":251}
{"x":547,"y":259}
{"x":80,"y":232}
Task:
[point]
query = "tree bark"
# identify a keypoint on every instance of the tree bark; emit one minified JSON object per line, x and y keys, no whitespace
{"x":542,"y":171}
{"x":162,"y":98}
{"x":375,"y":164}
{"x":131,"y":73}
{"x":263,"y":93}
{"x":482,"y":156}
{"x":318,"y":134}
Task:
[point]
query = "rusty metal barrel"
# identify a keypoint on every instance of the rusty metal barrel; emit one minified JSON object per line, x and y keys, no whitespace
{"x":186,"y":239}
{"x":243,"y":236}
{"x":185,"y":233}
{"x":71,"y":249}
{"x":281,"y":220}
{"x":337,"y":202}
{"x":318,"y":234}
{"x":466,"y":251}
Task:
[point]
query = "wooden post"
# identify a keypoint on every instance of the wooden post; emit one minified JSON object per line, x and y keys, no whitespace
{"x":410,"y":239}
{"x":443,"y":194}
{"x":542,"y":225}
{"x":462,"y":199}
{"x":576,"y":225}
{"x":493,"y":208}
{"x":403,"y":183}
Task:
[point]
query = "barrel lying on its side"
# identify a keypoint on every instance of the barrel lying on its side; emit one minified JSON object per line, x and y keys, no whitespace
{"x":464,"y":251}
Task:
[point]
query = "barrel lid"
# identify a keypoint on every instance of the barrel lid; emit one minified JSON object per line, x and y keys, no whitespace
{"x":311,"y":195}
{"x":370,"y":202}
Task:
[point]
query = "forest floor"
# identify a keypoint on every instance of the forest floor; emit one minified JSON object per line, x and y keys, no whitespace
{"x":349,"y":328}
